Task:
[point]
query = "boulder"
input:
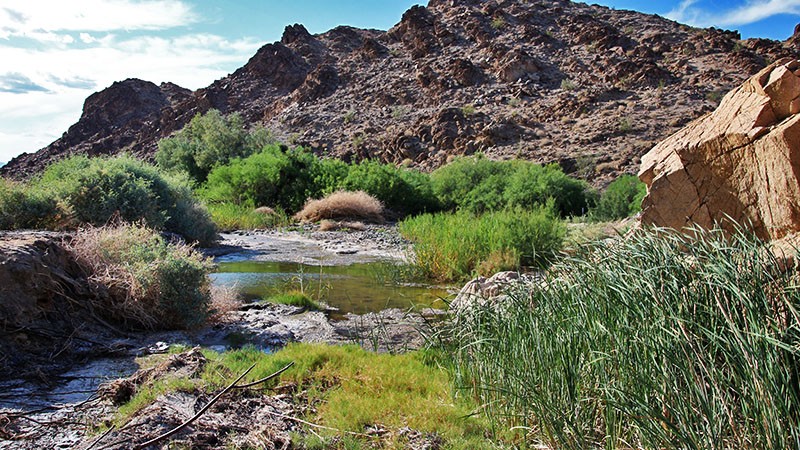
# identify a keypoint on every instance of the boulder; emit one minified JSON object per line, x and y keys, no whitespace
{"x":740,"y":162}
{"x":493,"y":290}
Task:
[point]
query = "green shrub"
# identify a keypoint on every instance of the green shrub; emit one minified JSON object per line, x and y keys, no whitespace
{"x":95,"y":190}
{"x":532,"y":184}
{"x":208,"y":141}
{"x":477,"y":184}
{"x":401,"y":190}
{"x":143,"y":281}
{"x":453,"y":246}
{"x":276,"y":176}
{"x":622,"y":198}
{"x":22,"y":206}
{"x":654,"y":341}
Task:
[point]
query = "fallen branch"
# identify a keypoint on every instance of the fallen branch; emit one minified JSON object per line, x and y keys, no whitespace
{"x":196,"y":416}
{"x":265,"y":379}
{"x":97,"y":441}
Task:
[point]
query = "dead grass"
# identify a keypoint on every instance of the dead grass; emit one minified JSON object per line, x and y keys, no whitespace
{"x":224,"y":300}
{"x":332,"y":225}
{"x":343,"y":205}
{"x":265,"y":210}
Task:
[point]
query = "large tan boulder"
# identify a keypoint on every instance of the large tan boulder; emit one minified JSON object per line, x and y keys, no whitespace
{"x":740,"y":162}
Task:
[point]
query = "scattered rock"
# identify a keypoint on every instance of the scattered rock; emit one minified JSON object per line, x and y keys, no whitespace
{"x":493,"y":290}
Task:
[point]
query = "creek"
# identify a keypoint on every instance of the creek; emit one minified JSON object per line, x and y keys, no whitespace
{"x":358,"y":288}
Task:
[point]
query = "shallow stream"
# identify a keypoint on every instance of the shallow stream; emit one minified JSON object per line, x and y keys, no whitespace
{"x":358,"y":288}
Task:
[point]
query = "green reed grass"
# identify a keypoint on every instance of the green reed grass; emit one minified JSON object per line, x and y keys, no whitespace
{"x":229,"y":217}
{"x":454,"y":246}
{"x":655,"y":341}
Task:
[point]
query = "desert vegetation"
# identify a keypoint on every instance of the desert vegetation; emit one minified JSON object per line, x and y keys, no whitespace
{"x":455,"y":246}
{"x":94,"y":191}
{"x":142,"y":281}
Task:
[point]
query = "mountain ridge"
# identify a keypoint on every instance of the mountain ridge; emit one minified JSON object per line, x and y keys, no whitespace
{"x":552,"y":81}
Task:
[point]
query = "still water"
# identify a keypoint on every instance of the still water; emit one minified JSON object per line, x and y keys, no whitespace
{"x":354,"y":288}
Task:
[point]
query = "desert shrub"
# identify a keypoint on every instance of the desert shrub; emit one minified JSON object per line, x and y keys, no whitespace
{"x":532,"y":184}
{"x":95,"y":190}
{"x":655,"y":341}
{"x":343,"y":205}
{"x":22,"y":206}
{"x":453,"y":246}
{"x":402,"y":190}
{"x":141,"y":280}
{"x":622,"y":198}
{"x":276,"y":176}
{"x":207,"y":141}
{"x":477,"y":184}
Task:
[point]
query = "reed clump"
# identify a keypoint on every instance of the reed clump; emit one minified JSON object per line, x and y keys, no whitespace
{"x":655,"y":341}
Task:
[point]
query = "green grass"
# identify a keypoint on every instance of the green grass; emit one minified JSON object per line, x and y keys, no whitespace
{"x":454,"y":247}
{"x":298,"y":299}
{"x":655,"y":341}
{"x":229,"y":217}
{"x":349,"y":389}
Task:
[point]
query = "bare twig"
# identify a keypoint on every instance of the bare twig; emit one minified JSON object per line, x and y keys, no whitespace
{"x":97,"y":441}
{"x":314,"y":425}
{"x":196,"y":416}
{"x":265,"y":379}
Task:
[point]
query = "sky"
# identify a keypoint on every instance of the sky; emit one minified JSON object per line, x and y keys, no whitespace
{"x":55,"y":53}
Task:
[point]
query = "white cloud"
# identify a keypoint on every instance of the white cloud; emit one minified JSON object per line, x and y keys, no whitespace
{"x":83,"y":46}
{"x":750,"y":12}
{"x":68,"y":74}
{"x":87,"y":38}
{"x":21,"y":17}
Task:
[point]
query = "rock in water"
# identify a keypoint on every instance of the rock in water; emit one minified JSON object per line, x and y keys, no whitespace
{"x":740,"y":162}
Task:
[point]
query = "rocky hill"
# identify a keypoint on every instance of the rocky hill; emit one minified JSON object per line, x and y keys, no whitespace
{"x":587,"y":87}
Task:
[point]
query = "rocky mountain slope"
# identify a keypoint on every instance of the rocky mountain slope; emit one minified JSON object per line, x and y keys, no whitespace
{"x":587,"y":87}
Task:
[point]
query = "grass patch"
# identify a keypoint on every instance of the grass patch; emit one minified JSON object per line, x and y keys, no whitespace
{"x":229,"y":217}
{"x":294,"y":298}
{"x":654,"y":341}
{"x":454,"y":246}
{"x":351,"y":389}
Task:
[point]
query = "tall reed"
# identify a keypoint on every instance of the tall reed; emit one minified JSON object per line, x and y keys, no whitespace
{"x":655,"y":341}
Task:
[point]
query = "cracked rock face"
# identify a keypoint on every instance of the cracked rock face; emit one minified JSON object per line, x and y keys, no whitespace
{"x":740,"y":162}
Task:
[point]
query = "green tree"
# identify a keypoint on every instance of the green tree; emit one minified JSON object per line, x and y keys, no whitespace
{"x":208,"y":141}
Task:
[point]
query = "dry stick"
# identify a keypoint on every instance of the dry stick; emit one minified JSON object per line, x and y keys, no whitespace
{"x":322,"y":427}
{"x":97,"y":441}
{"x":196,"y":416}
{"x":265,"y":379}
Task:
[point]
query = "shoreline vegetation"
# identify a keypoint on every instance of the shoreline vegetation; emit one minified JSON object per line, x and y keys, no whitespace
{"x":655,"y":340}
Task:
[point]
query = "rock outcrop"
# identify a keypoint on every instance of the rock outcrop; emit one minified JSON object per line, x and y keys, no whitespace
{"x":547,"y":81}
{"x":741,"y":162}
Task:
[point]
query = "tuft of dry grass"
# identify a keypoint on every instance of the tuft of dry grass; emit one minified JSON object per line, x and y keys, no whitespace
{"x":332,"y":225}
{"x":343,"y":205}
{"x":224,"y":300}
{"x":265,"y":210}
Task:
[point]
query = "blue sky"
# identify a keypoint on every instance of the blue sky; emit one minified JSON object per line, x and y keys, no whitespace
{"x":56,"y":53}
